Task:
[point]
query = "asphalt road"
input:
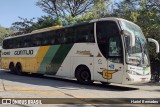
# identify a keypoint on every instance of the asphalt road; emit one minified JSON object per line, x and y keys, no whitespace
{"x":29,"y":86}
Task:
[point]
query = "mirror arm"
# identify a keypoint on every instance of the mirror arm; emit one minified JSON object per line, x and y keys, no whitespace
{"x":155,"y":42}
{"x":131,"y":36}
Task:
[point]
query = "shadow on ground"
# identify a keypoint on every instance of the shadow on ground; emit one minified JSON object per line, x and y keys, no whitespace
{"x":149,"y":84}
{"x":60,"y":83}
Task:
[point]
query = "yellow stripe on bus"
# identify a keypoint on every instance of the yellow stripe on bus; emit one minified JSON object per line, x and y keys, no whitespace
{"x":39,"y":57}
{"x":30,"y":65}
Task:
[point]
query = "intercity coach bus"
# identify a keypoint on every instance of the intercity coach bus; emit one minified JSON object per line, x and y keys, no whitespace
{"x":108,"y":50}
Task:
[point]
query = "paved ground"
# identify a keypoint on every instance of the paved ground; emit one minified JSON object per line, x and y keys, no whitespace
{"x":14,"y":86}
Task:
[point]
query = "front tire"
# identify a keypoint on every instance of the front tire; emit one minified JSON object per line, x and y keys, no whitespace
{"x":83,"y":75}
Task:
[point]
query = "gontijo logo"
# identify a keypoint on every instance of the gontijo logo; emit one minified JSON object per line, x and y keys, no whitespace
{"x":107,"y":74}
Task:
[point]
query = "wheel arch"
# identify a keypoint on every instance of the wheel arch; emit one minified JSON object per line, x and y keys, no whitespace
{"x":19,"y":64}
{"x":80,"y":66}
{"x":12,"y":63}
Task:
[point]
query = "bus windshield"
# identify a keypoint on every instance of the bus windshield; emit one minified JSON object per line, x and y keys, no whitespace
{"x":137,"y":54}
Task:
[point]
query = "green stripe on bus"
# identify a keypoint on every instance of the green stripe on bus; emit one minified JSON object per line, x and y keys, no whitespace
{"x":58,"y":58}
{"x":48,"y":58}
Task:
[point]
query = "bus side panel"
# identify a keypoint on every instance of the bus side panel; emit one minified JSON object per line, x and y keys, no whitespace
{"x":5,"y":63}
{"x":87,"y":61}
{"x":83,"y":54}
{"x":29,"y":63}
{"x":100,"y":65}
{"x":50,"y":53}
{"x":65,"y":68}
{"x":32,"y":65}
{"x":68,"y":56}
{"x":57,"y":60}
{"x":40,"y":57}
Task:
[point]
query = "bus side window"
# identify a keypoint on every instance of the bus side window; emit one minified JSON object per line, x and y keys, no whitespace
{"x":50,"y":38}
{"x":63,"y":38}
{"x":8,"y":44}
{"x":16,"y":42}
{"x":26,"y":42}
{"x":84,"y":33}
{"x":114,"y":46}
{"x":5,"y":45}
{"x":44,"y":42}
{"x":60,"y":37}
{"x":44,"y":38}
{"x":69,"y":35}
{"x":38,"y":39}
{"x":21,"y":42}
{"x":102,"y":32}
{"x":109,"y":40}
{"x":91,"y":35}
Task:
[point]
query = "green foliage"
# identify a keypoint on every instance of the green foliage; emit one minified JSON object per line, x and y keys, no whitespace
{"x":27,"y":26}
{"x":65,"y":8}
{"x":23,"y":26}
{"x":46,"y":21}
{"x":97,"y":10}
{"x":63,"y":12}
{"x":4,"y":32}
{"x":144,"y":13}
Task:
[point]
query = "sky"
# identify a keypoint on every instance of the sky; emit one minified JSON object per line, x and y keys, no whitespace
{"x":10,"y":10}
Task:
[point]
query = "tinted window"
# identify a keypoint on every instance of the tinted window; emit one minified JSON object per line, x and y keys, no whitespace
{"x":106,"y":29}
{"x":5,"y":44}
{"x":70,"y":35}
{"x":115,"y":46}
{"x":85,"y":33}
{"x":109,"y":39}
{"x":49,"y":37}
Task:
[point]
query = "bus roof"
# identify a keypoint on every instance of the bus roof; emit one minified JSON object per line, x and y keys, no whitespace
{"x":60,"y":27}
{"x":46,"y":29}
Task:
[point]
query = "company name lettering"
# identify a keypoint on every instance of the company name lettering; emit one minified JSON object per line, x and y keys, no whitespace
{"x":23,"y":52}
{"x":5,"y":53}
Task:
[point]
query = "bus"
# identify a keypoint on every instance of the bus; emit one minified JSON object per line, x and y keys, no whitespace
{"x":107,"y":50}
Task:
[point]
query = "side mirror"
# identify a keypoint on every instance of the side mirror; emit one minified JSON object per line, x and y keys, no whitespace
{"x":131,"y":36}
{"x":155,"y":42}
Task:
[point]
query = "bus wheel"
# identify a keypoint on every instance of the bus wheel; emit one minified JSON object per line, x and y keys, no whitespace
{"x":105,"y":83}
{"x":11,"y":68}
{"x":83,"y":75}
{"x":19,"y":69}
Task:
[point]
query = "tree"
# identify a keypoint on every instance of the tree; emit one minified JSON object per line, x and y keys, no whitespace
{"x":5,"y":32}
{"x":144,"y":13}
{"x":46,"y":21}
{"x":62,"y":12}
{"x":154,"y":4}
{"x":99,"y":9}
{"x":65,"y":8}
{"x":24,"y":25}
{"x":27,"y":26}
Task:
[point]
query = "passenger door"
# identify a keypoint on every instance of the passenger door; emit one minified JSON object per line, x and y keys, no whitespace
{"x":110,"y":62}
{"x":115,"y":59}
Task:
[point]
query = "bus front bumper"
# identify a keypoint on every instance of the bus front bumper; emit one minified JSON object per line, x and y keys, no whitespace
{"x":134,"y":79}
